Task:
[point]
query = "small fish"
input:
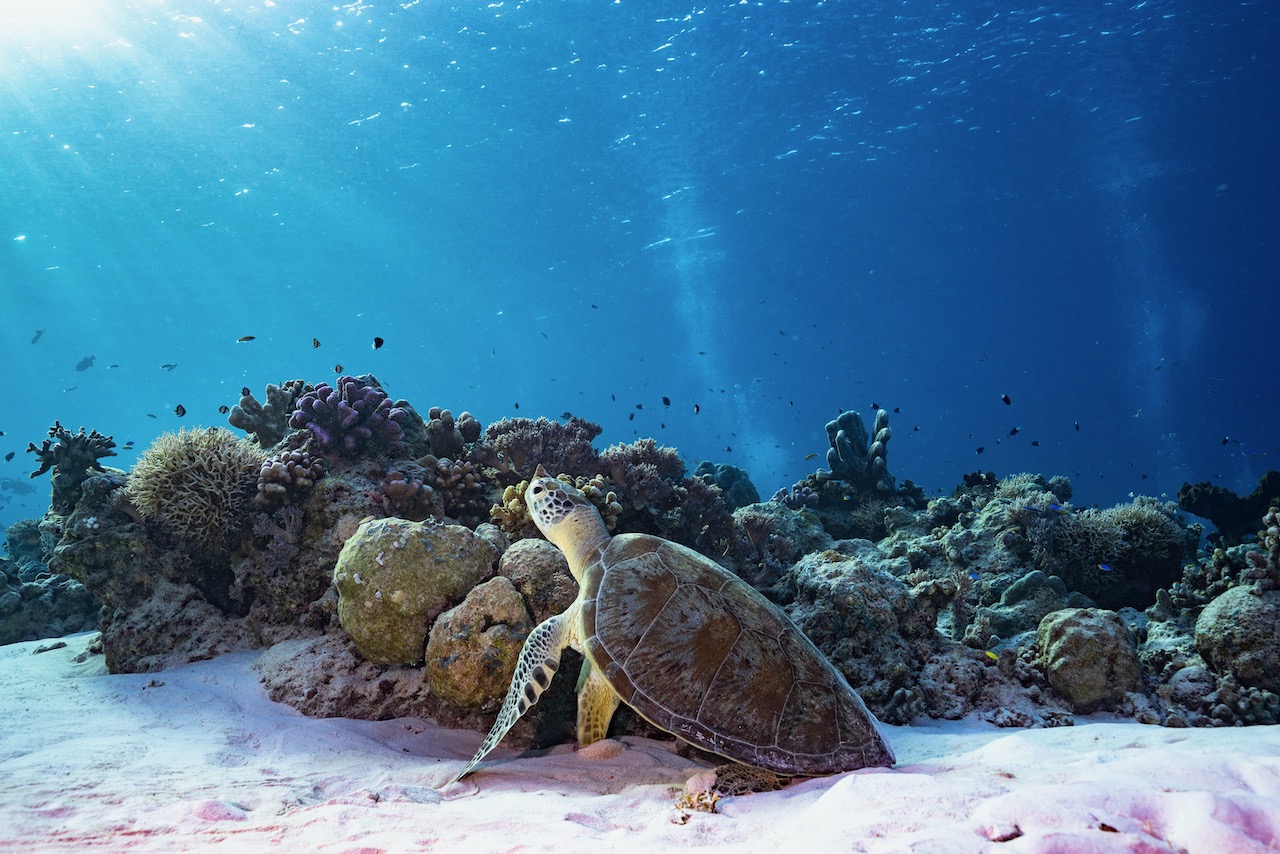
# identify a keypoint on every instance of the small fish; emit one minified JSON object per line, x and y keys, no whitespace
{"x":992,"y":655}
{"x":1006,"y":399}
{"x":702,"y":352}
{"x":593,"y":305}
{"x":337,"y":369}
{"x":808,"y":457}
{"x":897,"y":410}
{"x":1104,"y":567}
{"x":666,"y":401}
{"x":315,"y":342}
{"x":662,"y":425}
{"x":783,"y":334}
{"x":729,"y":448}
{"x":613,"y":397}
{"x":128,"y":444}
{"x":180,"y":410}
{"x":9,"y":456}
{"x":639,"y":406}
{"x":39,"y":332}
{"x":543,"y":334}
{"x":1077,"y":426}
{"x":377,"y":342}
{"x":85,"y":364}
{"x":245,"y":338}
{"x":981,"y":449}
{"x":631,"y":417}
{"x":71,"y":388}
{"x":696,"y":409}
{"x":1226,"y":440}
{"x":151,"y":415}
{"x":113,"y":366}
{"x":974,"y":576}
{"x":224,"y":409}
{"x":170,"y":366}
{"x":1013,"y":431}
{"x":875,"y":405}
{"x":1035,"y":443}
{"x":517,"y":406}
{"x":566,"y":415}
{"x":244,"y":391}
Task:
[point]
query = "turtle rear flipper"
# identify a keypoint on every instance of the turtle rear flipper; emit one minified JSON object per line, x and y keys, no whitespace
{"x":538,"y":663}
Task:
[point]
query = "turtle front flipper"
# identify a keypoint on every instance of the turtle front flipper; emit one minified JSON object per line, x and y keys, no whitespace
{"x":597,"y":701}
{"x":539,"y":661}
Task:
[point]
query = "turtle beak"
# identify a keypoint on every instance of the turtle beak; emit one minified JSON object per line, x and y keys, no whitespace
{"x":540,"y":471}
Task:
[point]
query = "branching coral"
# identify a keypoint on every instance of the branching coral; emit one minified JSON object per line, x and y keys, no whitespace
{"x":523,"y":444}
{"x":447,"y":436}
{"x":267,"y":423}
{"x":512,"y":515}
{"x":460,"y":486}
{"x":72,"y":459}
{"x":645,"y":473}
{"x":852,"y":459}
{"x":287,"y":478}
{"x":352,"y":420}
{"x":407,"y":494}
{"x":196,"y":483}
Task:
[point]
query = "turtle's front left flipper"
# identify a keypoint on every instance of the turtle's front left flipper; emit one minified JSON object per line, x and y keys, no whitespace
{"x":538,"y":663}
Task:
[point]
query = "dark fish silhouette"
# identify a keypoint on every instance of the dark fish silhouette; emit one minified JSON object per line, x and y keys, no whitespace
{"x":666,"y":401}
{"x":8,"y":457}
{"x":315,"y":342}
{"x":85,"y":364}
{"x":377,"y":342}
{"x":180,"y":410}
{"x":224,"y":409}
{"x":39,"y":332}
{"x":337,"y":369}
{"x":170,"y":366}
{"x":244,"y":338}
{"x":1007,"y":401}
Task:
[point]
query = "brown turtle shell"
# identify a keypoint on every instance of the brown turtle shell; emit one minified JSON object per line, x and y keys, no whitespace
{"x":701,"y":654}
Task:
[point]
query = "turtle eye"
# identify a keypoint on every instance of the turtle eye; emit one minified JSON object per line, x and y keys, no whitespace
{"x":538,"y":490}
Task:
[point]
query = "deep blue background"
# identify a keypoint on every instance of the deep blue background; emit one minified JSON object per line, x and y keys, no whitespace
{"x":773,"y":210}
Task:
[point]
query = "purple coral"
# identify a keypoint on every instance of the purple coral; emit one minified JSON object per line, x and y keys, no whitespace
{"x":797,"y":497}
{"x":351,"y":419}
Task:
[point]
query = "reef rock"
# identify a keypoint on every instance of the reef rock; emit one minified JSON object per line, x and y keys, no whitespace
{"x":473,"y":648}
{"x":1022,"y":606}
{"x":1088,"y":657}
{"x":394,"y":577}
{"x":1239,"y":633}
{"x":541,"y":574}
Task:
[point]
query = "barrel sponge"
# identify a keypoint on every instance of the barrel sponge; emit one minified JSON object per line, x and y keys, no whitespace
{"x":196,"y":483}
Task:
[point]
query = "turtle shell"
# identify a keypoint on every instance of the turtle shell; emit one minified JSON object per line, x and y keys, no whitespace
{"x":701,"y":654}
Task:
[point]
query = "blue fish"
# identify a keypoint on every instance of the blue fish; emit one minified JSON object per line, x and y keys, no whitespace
{"x":1104,"y":567}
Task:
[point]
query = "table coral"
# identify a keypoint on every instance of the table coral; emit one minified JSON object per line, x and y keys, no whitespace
{"x":267,"y":423}
{"x":352,"y":420}
{"x":524,"y":444}
{"x":72,"y":458}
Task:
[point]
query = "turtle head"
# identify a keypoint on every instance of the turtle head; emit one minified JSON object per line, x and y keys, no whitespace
{"x":567,"y":518}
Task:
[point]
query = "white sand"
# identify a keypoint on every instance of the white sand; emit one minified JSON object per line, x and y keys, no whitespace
{"x":198,"y":758}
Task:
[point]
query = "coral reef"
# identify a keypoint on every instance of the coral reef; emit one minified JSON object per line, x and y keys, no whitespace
{"x":769,"y":538}
{"x":267,"y":423}
{"x":797,"y":497}
{"x":512,"y":516}
{"x":73,"y":458}
{"x":460,"y":486}
{"x":196,"y":483}
{"x":408,"y":496}
{"x":735,"y":484}
{"x":1233,"y":515}
{"x":854,"y":458}
{"x":394,"y":577}
{"x":1118,"y":556}
{"x":47,"y":606}
{"x":353,"y":420}
{"x":522,"y":444}
{"x":287,"y":478}
{"x":447,"y":437}
{"x":1088,"y":657}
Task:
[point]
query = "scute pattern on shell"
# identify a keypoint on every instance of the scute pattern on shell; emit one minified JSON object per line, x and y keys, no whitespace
{"x":754,"y":689}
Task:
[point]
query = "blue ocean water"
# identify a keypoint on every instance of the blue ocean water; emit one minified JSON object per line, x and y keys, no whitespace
{"x":764,"y":212}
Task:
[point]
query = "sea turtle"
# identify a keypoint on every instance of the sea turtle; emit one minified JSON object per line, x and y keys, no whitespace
{"x":693,"y":648}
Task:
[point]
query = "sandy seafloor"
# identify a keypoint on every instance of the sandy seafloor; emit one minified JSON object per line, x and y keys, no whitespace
{"x":198,"y":758}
